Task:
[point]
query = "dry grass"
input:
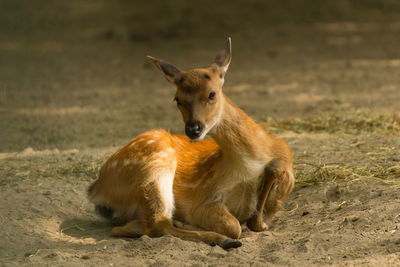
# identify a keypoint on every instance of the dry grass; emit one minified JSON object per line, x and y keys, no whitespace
{"x":87,"y":167}
{"x":374,"y":157}
{"x":32,"y":169}
{"x":357,"y":122}
{"x":310,"y":174}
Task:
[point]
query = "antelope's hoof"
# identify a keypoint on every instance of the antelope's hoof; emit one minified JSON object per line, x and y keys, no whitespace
{"x":230,"y":243}
{"x":260,"y":228}
{"x":256,"y":225}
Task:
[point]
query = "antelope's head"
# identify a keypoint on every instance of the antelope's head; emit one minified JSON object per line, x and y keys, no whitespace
{"x":199,"y":94}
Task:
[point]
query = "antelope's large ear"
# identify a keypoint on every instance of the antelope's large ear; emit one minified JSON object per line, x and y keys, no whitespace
{"x":223,"y":59}
{"x":170,"y":71}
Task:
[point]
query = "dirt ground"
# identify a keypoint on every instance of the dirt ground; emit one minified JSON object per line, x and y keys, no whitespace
{"x":75,"y":86}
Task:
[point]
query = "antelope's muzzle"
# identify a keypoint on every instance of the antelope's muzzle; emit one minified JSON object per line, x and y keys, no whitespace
{"x":194,"y":129}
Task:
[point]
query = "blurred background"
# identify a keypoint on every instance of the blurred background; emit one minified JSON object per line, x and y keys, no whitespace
{"x":73,"y":74}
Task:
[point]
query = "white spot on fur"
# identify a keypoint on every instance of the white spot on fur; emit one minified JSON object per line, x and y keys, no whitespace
{"x":132,"y":144}
{"x":204,"y":160}
{"x":170,"y":149}
{"x":260,"y":133}
{"x":114,"y":164}
{"x":165,"y":183}
{"x":150,"y":142}
{"x":127,"y":162}
{"x":139,"y":140}
{"x":162,"y":154}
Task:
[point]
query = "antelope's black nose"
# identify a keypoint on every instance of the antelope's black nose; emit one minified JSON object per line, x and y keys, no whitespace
{"x":193,"y":129}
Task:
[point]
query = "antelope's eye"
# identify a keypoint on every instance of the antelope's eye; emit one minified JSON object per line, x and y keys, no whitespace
{"x":177,"y":101}
{"x":211,"y":96}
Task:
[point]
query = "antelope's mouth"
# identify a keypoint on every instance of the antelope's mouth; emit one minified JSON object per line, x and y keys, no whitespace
{"x":197,"y":138}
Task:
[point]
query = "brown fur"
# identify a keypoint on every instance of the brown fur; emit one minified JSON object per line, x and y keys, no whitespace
{"x":217,"y":185}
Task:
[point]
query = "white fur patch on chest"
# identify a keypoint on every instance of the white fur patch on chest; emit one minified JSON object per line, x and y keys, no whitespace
{"x":245,"y":171}
{"x":241,"y":199}
{"x":239,"y":192}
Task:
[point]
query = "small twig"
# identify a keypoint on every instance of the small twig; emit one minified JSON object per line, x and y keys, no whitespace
{"x":341,"y":205}
{"x":71,"y":227}
{"x":293,"y":210}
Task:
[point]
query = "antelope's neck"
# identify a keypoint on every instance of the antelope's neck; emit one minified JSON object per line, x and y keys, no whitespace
{"x":239,"y":137}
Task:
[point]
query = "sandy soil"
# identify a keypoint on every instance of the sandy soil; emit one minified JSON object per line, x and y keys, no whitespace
{"x":75,"y":86}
